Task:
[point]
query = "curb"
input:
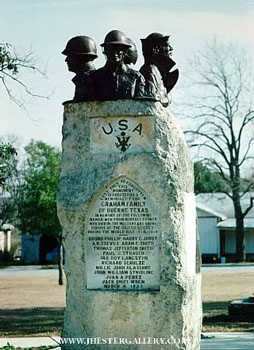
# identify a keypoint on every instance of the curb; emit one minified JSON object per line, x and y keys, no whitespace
{"x":28,"y":342}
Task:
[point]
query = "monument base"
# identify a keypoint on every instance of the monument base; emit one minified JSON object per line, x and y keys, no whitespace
{"x":127,"y":209}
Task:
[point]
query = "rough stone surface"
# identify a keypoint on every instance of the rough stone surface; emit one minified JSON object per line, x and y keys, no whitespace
{"x":162,"y":170}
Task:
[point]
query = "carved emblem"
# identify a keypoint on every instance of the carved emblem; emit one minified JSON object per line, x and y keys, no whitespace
{"x":123,"y":142}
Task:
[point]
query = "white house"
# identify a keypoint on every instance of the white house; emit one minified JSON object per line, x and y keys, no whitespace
{"x":216,"y":226}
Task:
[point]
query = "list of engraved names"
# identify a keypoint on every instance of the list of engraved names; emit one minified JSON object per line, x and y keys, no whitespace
{"x":123,"y":240}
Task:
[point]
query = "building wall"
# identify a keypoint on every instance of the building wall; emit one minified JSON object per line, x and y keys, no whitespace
{"x":30,"y":248}
{"x":209,"y":235}
{"x":249,"y":241}
{"x":5,"y":241}
{"x":230,"y":242}
{"x":2,"y":241}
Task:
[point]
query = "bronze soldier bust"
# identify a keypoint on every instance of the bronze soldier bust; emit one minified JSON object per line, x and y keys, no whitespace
{"x":116,"y":80}
{"x":156,"y":69}
{"x":166,"y":63}
{"x":81,"y":51}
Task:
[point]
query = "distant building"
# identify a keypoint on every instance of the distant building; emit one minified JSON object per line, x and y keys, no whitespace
{"x":216,"y":225}
{"x":5,"y":241}
{"x":6,"y":229}
{"x":39,"y":249}
{"x":30,"y":248}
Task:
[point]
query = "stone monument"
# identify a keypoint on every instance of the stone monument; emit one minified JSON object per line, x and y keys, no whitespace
{"x":127,"y":209}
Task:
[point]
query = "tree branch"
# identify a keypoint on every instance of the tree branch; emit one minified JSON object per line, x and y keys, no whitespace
{"x":248,"y":188}
{"x":249,"y":207}
{"x":244,"y":158}
{"x":11,"y":64}
{"x":249,"y":117}
{"x":218,"y":148}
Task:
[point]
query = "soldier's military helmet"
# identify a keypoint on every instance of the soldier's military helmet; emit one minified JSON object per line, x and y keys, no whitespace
{"x":155,"y":37}
{"x":81,"y":45}
{"x":156,"y":43}
{"x":115,"y":37}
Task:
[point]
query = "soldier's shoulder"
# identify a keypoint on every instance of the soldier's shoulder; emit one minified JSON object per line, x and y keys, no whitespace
{"x":134,"y":73}
{"x":98,"y":72}
{"x":149,"y":68}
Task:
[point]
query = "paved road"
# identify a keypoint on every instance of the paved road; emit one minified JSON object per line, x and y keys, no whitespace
{"x":230,"y":268}
{"x":28,"y":271}
{"x":229,"y":341}
{"x":220,"y":341}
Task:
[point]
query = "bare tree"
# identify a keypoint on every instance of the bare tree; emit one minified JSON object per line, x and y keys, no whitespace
{"x":223,"y":115}
{"x":11,"y":67}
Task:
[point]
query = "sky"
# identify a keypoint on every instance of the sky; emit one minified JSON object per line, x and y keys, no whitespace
{"x":44,"y":27}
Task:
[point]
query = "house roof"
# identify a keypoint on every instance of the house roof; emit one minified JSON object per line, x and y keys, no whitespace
{"x":230,"y":223}
{"x":221,"y":205}
{"x":210,"y":211}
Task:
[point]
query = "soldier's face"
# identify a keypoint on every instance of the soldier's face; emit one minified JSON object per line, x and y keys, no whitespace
{"x":72,"y":62}
{"x":166,"y":49}
{"x":75,"y":63}
{"x":114,"y":53}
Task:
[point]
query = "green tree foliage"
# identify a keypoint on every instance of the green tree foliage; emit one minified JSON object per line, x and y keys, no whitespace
{"x":8,"y":163}
{"x":8,"y":182}
{"x":206,"y":180}
{"x":37,"y":193}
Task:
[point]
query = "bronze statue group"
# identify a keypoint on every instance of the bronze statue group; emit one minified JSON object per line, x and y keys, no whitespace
{"x":116,"y":80}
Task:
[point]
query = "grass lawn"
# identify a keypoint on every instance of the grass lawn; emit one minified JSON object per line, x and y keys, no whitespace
{"x":218,"y":288}
{"x":41,"y":321}
{"x":216,"y":319}
{"x":10,"y":347}
{"x":34,"y":306}
{"x":31,"y":306}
